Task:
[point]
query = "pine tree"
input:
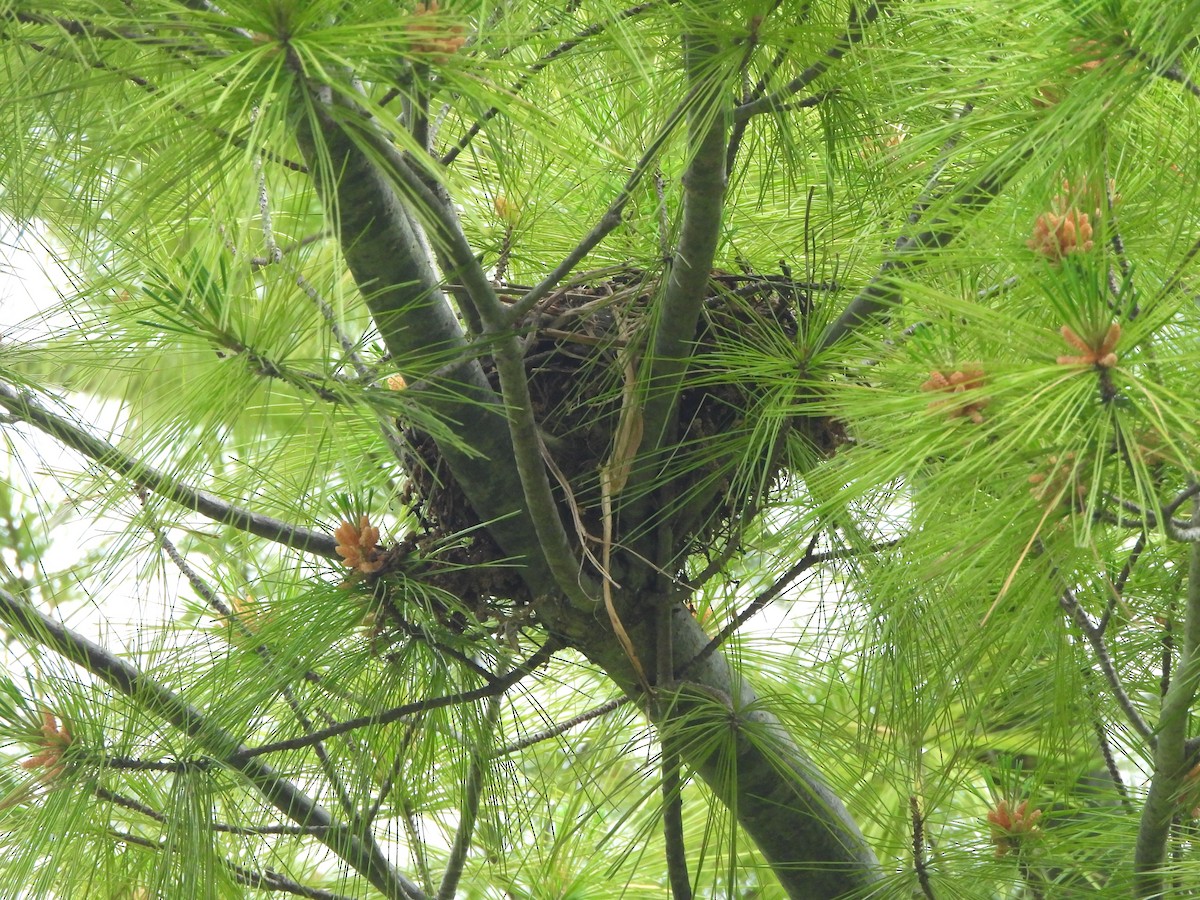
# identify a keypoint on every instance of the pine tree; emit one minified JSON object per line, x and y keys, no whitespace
{"x":451,"y":390}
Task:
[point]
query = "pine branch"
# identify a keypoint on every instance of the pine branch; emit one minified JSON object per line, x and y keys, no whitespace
{"x":149,"y":87}
{"x":361,"y":180}
{"x":1118,"y":587}
{"x":678,"y":311}
{"x":1171,"y":761}
{"x":672,"y":791}
{"x":530,"y":71}
{"x":910,"y":250}
{"x":676,"y":315}
{"x":494,"y":689}
{"x":781,"y":799}
{"x":854,"y":33}
{"x":1177,"y":276}
{"x":564,"y":726}
{"x":214,"y":603}
{"x":23,"y":406}
{"x":93,"y":31}
{"x":1095,"y":638}
{"x":514,"y":388}
{"x":472,"y":794}
{"x":540,"y":509}
{"x":157,"y":700}
{"x":175,"y":766}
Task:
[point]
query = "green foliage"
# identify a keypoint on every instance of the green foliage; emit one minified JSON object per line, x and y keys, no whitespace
{"x":939,"y":416}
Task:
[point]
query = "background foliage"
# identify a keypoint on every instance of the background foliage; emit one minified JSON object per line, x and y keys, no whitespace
{"x":960,"y":480}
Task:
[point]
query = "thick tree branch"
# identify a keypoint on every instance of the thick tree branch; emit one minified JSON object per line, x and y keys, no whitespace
{"x":22,"y":405}
{"x":385,"y":250}
{"x":704,"y":183}
{"x":782,"y":801}
{"x":539,"y":509}
{"x":1171,"y":759}
{"x":672,"y":790}
{"x":160,"y":701}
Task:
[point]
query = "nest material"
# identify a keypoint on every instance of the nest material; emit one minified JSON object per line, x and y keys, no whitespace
{"x":576,"y":348}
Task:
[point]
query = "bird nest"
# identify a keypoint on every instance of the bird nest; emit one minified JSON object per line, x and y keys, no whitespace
{"x":580,"y":347}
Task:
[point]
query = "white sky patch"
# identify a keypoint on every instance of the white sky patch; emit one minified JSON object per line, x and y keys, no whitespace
{"x":41,"y":471}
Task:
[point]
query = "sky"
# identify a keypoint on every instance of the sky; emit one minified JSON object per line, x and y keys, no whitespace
{"x":39,"y":469}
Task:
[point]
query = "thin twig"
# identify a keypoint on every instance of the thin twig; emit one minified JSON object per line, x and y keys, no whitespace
{"x":1181,"y":498}
{"x":855,"y":32}
{"x":1118,"y":587}
{"x":1177,"y":276}
{"x":158,"y":700}
{"x":881,"y":291}
{"x":499,"y":686}
{"x":664,"y":219}
{"x":738,"y":130}
{"x":1110,"y":762}
{"x":262,"y":879}
{"x":416,"y":843}
{"x":27,"y":409}
{"x":918,"y":845}
{"x":260,"y":262}
{"x":275,"y":255}
{"x":84,"y":28}
{"x":1093,"y":636}
{"x":472,"y":793}
{"x":417,"y":847}
{"x":1173,"y":72}
{"x":1118,"y":246}
{"x":391,"y":434}
{"x":611,"y":217}
{"x":997,"y":290}
{"x":571,"y":43}
{"x":150,"y":812}
{"x":564,"y":726}
{"x":174,"y":766}
{"x":780,"y":584}
{"x":270,"y":880}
